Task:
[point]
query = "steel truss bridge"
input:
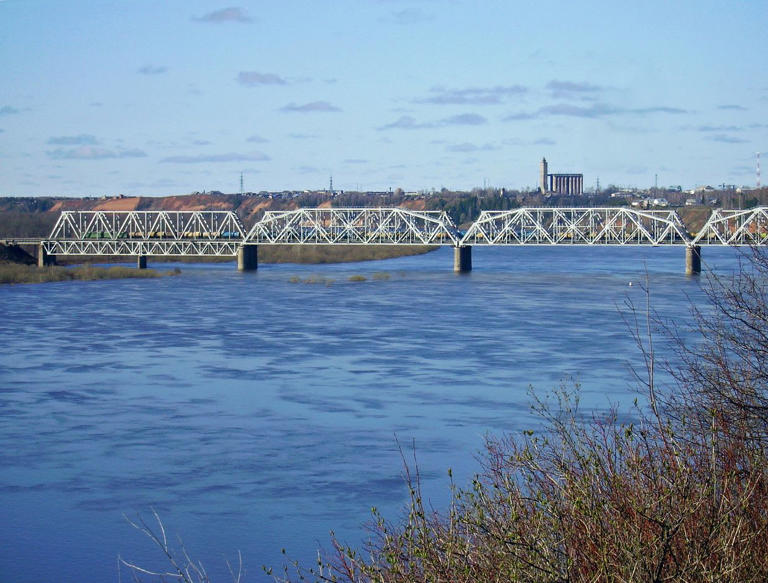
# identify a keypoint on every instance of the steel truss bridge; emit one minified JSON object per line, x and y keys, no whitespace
{"x":221,"y":233}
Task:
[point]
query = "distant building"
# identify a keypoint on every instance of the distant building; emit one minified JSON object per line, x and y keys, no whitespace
{"x":559,"y":183}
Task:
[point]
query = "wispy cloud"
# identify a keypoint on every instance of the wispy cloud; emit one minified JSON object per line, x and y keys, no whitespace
{"x":472,"y":95}
{"x":254,"y":78}
{"x":256,"y":139}
{"x":408,"y":16}
{"x":153,"y":70}
{"x":706,"y":128}
{"x":355,"y":161}
{"x":312,"y":107}
{"x":216,"y":158}
{"x":732,"y":107}
{"x":307,"y":170}
{"x":81,"y":140}
{"x":406,"y":122}
{"x":520,"y":116}
{"x":232,"y":14}
{"x":573,"y":90}
{"x":471,"y":119}
{"x":593,"y":111}
{"x":467,"y":147}
{"x":536,"y":142}
{"x":93,"y":153}
{"x":657,"y":109}
{"x":8,"y":110}
{"x":727,"y":139}
{"x":567,"y":109}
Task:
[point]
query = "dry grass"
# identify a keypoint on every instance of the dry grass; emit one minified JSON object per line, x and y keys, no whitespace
{"x":336,"y":253}
{"x":12,"y":273}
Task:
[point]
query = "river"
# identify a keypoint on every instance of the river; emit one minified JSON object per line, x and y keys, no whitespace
{"x":259,"y":411}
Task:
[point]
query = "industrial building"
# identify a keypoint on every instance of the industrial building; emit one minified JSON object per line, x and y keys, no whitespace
{"x":559,"y":183}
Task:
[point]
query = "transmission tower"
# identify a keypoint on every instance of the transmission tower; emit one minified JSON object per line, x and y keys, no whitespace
{"x":241,"y":183}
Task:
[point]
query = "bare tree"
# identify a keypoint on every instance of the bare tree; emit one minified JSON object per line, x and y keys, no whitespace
{"x":722,"y":368}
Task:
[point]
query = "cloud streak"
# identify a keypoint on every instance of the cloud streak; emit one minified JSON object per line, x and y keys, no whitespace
{"x":81,"y":140}
{"x":312,"y":107}
{"x":407,"y":122}
{"x":232,"y":14}
{"x":468,"y":147}
{"x":90,"y":152}
{"x":8,"y":110}
{"x":593,"y":111}
{"x":467,"y":119}
{"x":254,"y":78}
{"x":580,"y":90}
{"x":724,"y":139}
{"x":216,"y":158}
{"x":153,"y":70}
{"x":472,"y":95}
{"x":408,"y":16}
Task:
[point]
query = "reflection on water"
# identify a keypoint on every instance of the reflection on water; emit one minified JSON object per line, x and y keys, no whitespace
{"x":257,"y":413}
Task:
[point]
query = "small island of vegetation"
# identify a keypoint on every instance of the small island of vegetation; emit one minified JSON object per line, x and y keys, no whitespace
{"x":11,"y":273}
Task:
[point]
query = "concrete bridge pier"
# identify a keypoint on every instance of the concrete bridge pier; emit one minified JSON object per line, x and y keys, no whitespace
{"x":44,"y":259}
{"x":692,"y":259}
{"x":462,"y":259}
{"x":141,"y":262}
{"x":248,"y":258}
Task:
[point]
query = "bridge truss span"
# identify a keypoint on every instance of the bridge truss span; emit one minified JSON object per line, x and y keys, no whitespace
{"x":577,"y":226}
{"x":146,"y":233}
{"x":735,"y":227}
{"x":354,"y":226}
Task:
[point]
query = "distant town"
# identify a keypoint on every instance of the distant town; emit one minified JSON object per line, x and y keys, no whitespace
{"x":36,"y":215}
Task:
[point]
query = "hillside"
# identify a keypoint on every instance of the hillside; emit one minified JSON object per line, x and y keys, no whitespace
{"x":35,"y":217}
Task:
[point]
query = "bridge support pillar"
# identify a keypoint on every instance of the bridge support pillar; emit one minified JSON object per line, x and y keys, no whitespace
{"x":248,"y":258}
{"x":141,"y":262}
{"x":44,"y":259}
{"x":692,"y":260}
{"x":462,"y":259}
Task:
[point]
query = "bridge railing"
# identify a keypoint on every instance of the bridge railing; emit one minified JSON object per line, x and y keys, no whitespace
{"x":354,"y":226}
{"x":735,"y":227}
{"x":577,"y":226}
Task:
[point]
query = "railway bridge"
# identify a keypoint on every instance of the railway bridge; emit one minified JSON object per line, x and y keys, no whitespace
{"x":145,"y":234}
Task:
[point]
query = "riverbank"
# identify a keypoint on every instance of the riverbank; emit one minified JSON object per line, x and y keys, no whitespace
{"x":15,"y":273}
{"x":302,"y":254}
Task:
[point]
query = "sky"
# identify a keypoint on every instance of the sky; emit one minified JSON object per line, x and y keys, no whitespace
{"x":140,"y":97}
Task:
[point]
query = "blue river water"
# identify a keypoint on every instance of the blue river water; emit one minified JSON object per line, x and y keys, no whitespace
{"x":259,"y":411}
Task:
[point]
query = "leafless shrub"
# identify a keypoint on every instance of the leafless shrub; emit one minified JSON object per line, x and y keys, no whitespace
{"x":182,"y":567}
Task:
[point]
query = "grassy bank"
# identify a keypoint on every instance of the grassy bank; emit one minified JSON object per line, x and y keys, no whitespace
{"x":336,"y":253}
{"x":13,"y":273}
{"x":306,"y":254}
